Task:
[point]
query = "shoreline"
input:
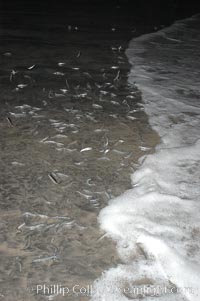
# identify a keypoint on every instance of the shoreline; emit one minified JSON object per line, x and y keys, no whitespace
{"x":154,"y":222}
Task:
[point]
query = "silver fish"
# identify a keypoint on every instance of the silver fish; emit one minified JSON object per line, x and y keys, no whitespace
{"x":84,"y":195}
{"x":79,"y":54}
{"x":21,"y":86}
{"x":9,"y":120}
{"x":117,"y":77}
{"x":59,"y":73}
{"x":89,"y":182}
{"x":114,"y":103}
{"x":96,"y":106}
{"x":45,"y":258}
{"x":31,"y":67}
{"x":131,"y":117}
{"x":85,"y":149}
{"x":53,"y":177}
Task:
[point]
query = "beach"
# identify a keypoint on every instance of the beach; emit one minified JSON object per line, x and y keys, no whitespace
{"x":73,"y":131}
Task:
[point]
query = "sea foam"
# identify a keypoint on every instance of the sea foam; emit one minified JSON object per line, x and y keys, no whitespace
{"x":156,"y":224}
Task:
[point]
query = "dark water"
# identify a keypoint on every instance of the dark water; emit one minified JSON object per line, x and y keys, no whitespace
{"x":71,"y":133}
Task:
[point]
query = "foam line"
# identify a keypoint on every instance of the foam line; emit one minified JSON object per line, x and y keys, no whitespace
{"x":156,"y":224}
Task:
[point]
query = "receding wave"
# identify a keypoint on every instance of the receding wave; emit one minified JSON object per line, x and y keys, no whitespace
{"x":156,"y":223}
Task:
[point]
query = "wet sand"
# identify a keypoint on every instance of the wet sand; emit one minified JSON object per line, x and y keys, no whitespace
{"x":71,"y":134}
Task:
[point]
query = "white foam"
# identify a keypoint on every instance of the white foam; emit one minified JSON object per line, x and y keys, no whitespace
{"x":156,"y":224}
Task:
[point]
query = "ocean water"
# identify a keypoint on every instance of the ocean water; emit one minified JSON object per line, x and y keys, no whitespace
{"x":156,"y":224}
